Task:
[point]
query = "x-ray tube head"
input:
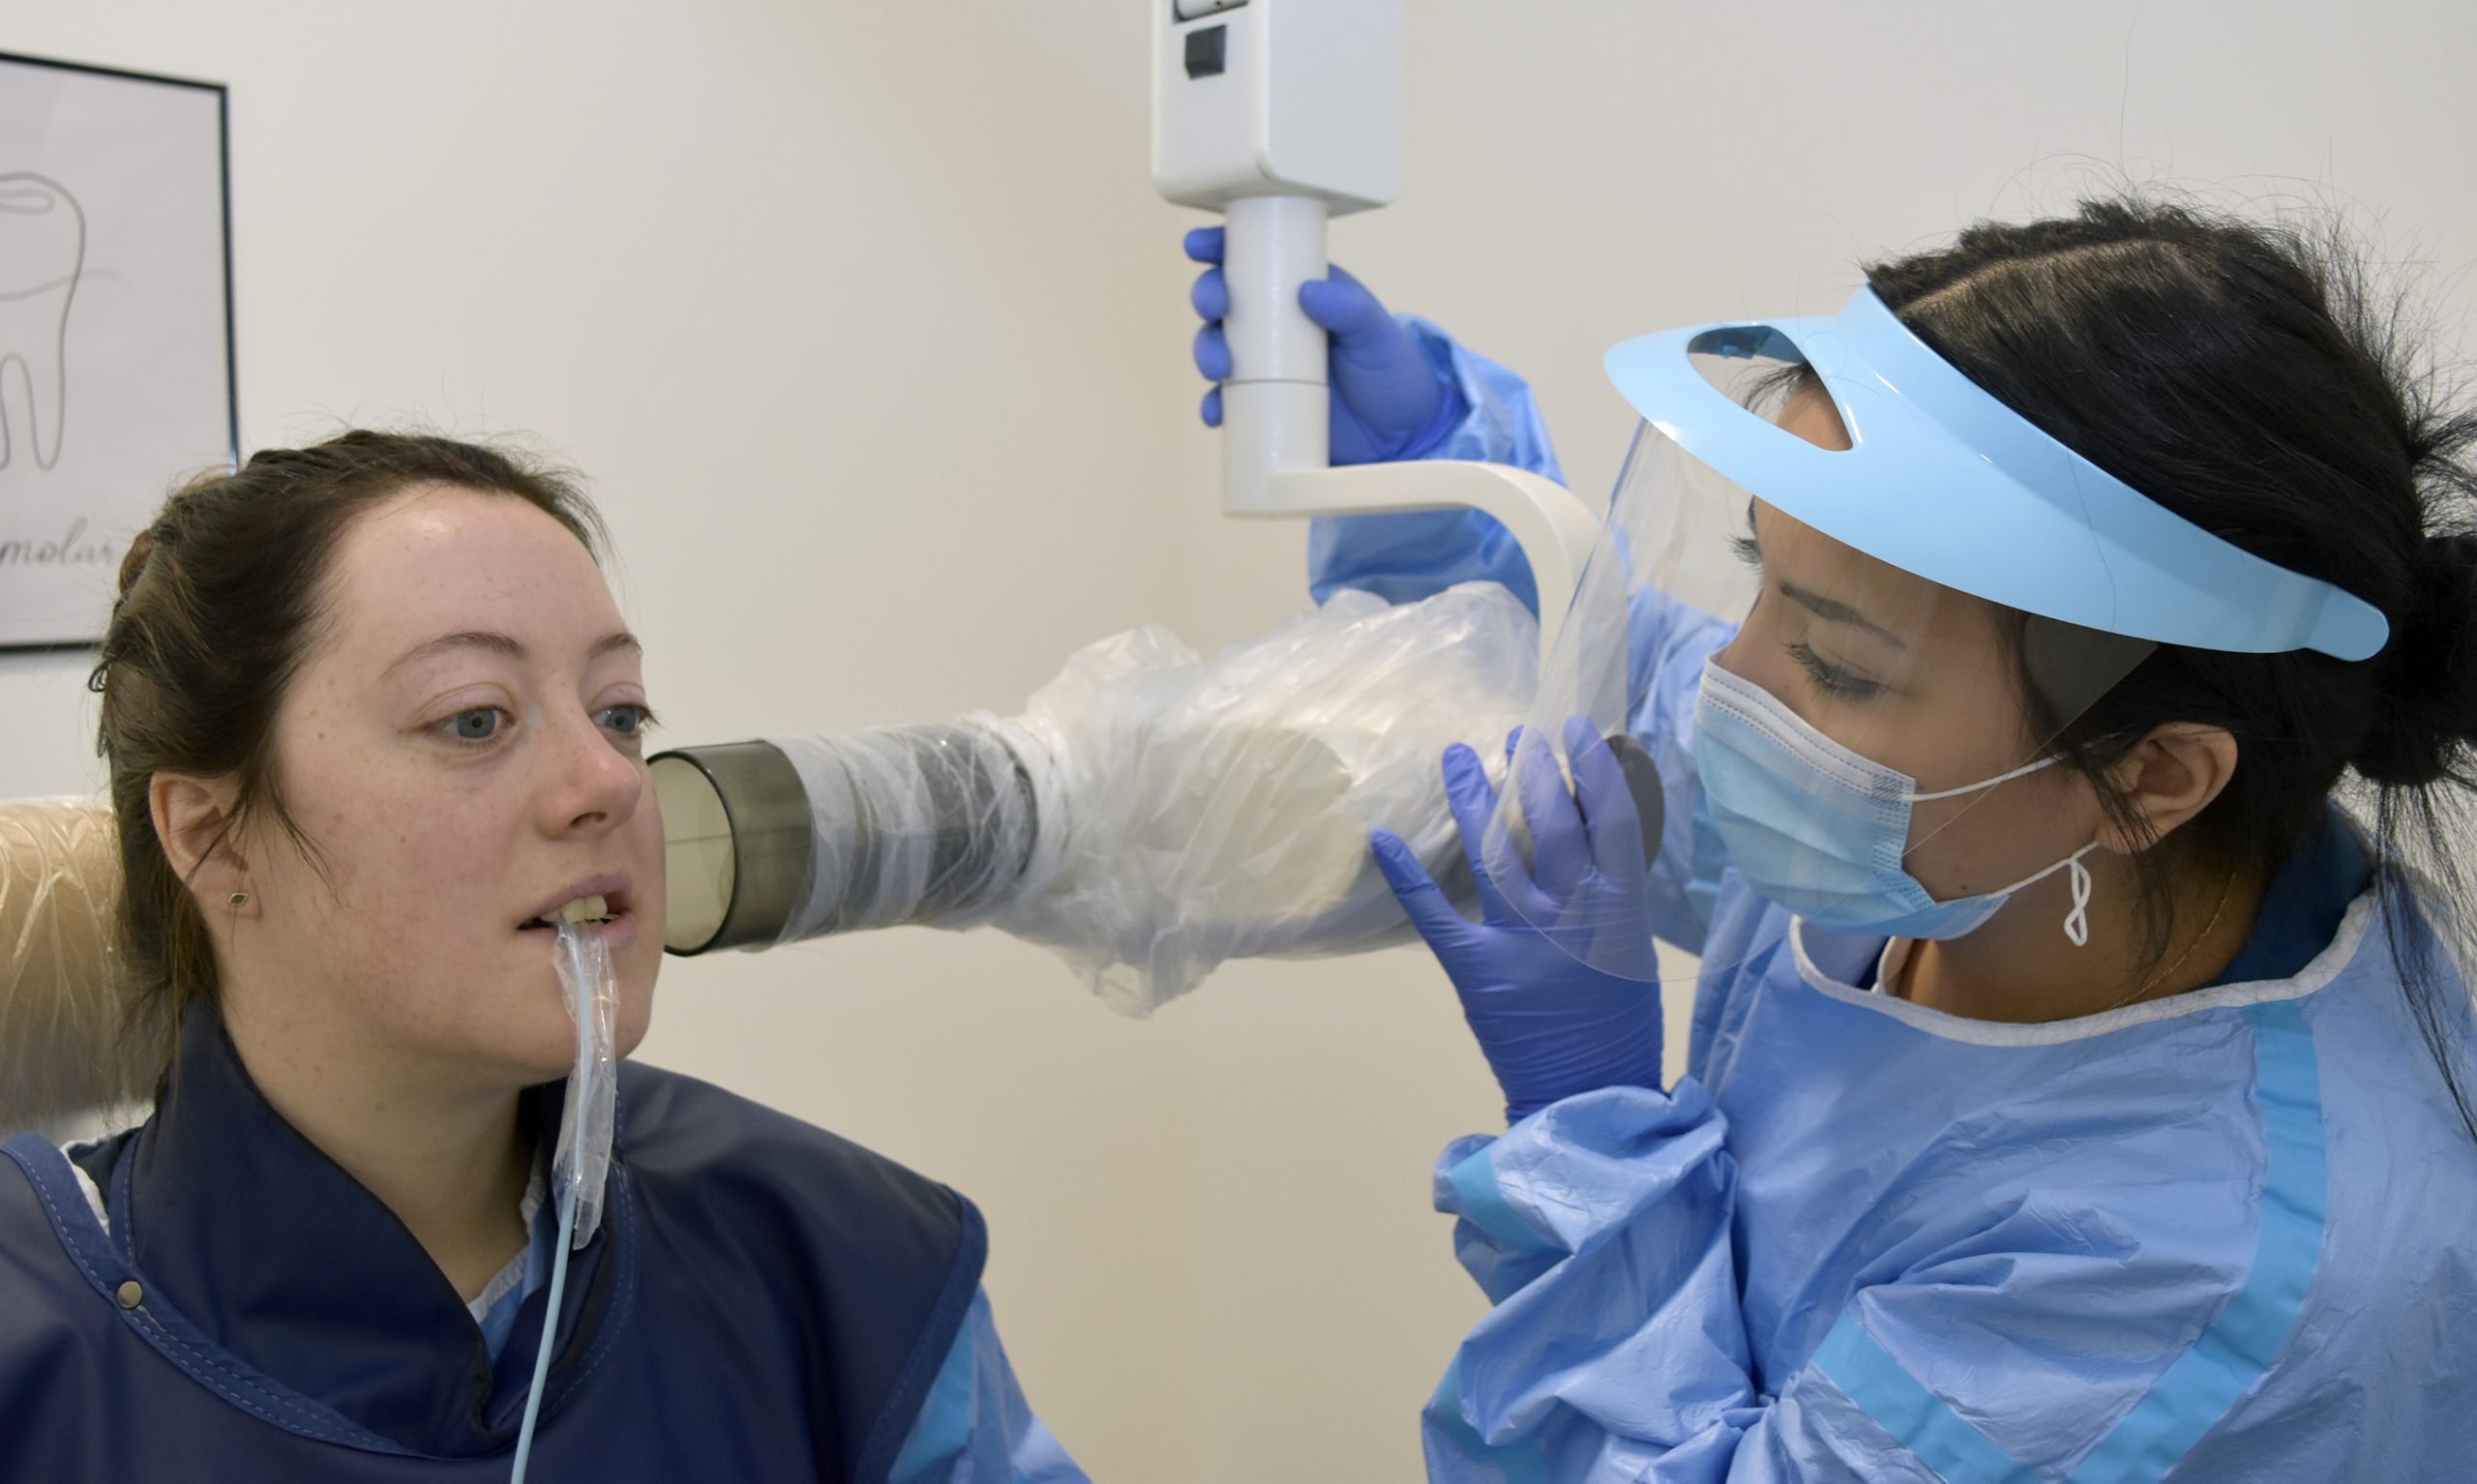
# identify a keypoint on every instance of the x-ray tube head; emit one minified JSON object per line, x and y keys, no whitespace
{"x":737,"y":829}
{"x":770,"y":841}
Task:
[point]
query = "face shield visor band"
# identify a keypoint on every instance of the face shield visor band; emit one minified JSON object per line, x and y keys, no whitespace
{"x":1942,"y":480}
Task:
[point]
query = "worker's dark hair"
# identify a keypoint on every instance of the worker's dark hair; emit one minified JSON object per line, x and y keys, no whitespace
{"x":2248,"y":377}
{"x":220,"y":598}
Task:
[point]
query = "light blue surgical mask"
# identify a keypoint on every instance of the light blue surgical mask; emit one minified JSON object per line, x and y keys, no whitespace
{"x":1822,"y":831}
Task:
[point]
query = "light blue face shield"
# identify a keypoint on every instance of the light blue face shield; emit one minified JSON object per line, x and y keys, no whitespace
{"x":1945,"y":482}
{"x":1905,"y":592}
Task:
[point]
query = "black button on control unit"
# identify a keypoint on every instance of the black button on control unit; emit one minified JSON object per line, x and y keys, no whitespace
{"x":1208,"y":50}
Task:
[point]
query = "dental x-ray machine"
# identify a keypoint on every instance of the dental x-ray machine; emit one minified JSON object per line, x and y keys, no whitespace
{"x":1151,"y":812}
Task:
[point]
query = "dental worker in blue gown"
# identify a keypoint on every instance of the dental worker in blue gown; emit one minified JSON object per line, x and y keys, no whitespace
{"x":2076,"y":1089}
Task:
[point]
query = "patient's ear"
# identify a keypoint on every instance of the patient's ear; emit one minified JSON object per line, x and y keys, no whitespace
{"x":194,"y":820}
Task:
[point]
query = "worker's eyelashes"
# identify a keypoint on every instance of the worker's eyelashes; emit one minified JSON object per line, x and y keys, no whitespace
{"x":1832,"y":679}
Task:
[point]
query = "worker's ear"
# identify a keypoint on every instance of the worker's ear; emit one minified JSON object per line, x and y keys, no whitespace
{"x":196,"y":822}
{"x":2167,"y":779}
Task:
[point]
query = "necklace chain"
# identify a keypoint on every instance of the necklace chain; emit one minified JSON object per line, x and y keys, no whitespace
{"x":2226,"y":892}
{"x":2150,"y":981}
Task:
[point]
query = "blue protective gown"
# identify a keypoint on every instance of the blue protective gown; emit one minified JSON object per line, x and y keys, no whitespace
{"x":210,"y":1296}
{"x":2227,"y":1235}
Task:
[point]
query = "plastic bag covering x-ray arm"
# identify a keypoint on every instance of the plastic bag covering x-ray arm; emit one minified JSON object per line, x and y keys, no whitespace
{"x":65,"y":1039}
{"x":1148,"y":815}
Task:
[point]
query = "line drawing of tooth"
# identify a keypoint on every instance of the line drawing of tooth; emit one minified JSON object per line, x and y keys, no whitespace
{"x":43,"y":255}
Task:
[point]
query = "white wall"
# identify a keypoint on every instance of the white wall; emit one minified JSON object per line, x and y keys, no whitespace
{"x":872,"y":336}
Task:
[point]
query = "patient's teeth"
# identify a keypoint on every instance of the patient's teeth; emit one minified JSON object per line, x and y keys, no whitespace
{"x":582,"y":910}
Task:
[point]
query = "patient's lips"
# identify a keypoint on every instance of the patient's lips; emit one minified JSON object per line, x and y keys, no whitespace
{"x":42,"y":250}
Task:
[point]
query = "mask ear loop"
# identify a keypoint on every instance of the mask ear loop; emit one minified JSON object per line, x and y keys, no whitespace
{"x":2023,"y":771}
{"x":2076,"y":923}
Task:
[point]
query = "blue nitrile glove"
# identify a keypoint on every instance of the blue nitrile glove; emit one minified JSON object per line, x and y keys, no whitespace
{"x":1389,"y":401}
{"x":1558,"y":977}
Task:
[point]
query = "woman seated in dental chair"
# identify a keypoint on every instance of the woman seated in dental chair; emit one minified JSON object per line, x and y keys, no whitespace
{"x":373,"y":728}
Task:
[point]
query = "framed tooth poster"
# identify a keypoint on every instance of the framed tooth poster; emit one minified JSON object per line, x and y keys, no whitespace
{"x":116,"y":368}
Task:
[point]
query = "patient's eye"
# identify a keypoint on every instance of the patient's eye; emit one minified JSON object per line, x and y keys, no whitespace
{"x":627,"y":720}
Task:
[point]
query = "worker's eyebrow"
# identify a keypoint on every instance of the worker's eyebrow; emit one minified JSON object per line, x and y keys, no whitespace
{"x":1749,"y":546}
{"x":1834,"y":610}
